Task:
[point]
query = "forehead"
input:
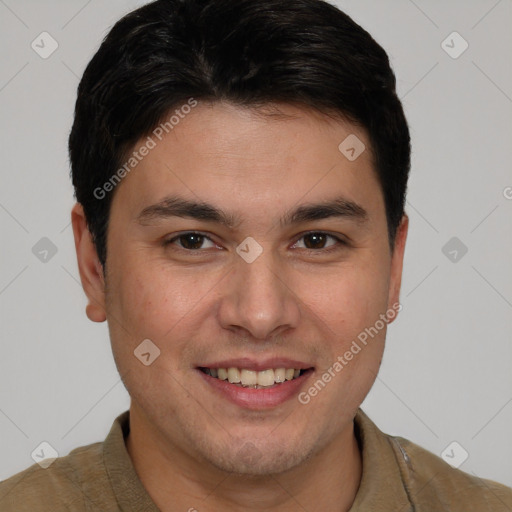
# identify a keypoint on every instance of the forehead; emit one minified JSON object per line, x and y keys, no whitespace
{"x":220,"y":153}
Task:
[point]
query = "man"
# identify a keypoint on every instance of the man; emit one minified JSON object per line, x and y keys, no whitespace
{"x":240,"y":170}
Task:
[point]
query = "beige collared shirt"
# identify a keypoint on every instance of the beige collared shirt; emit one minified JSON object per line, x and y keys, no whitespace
{"x":398,"y":476}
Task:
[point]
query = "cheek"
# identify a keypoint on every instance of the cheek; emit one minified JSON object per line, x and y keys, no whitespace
{"x":350,"y":300}
{"x":350,"y":304}
{"x":153,"y":299}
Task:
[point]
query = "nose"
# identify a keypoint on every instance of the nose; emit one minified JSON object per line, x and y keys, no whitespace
{"x":257,"y":301}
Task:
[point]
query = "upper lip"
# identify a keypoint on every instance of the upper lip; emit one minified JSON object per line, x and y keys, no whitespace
{"x":258,"y":365}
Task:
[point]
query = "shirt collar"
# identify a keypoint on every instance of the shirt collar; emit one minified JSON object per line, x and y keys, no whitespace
{"x":381,"y":484}
{"x":131,"y":495}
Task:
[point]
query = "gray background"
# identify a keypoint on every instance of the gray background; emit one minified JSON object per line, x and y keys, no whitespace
{"x":446,"y":374}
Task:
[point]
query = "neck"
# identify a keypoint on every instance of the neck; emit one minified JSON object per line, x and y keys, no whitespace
{"x":176,"y":482}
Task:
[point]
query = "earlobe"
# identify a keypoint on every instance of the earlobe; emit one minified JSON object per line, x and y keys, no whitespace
{"x":91,"y":271}
{"x":94,"y":313}
{"x":397,"y":259}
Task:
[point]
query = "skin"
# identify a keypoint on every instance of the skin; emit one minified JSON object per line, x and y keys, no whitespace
{"x":189,"y":445}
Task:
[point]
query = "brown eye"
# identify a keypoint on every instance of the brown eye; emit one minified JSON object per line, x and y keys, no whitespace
{"x":315,"y":240}
{"x":318,"y":240}
{"x":190,"y":241}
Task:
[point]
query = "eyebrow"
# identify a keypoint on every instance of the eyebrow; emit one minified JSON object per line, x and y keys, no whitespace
{"x":175,"y":206}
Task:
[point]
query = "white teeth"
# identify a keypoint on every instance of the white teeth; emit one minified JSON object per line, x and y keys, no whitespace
{"x":280,"y":374}
{"x":264,"y":378}
{"x":248,"y":377}
{"x":234,"y":375}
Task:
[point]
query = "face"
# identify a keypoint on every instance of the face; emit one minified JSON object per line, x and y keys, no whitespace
{"x":285,"y":264}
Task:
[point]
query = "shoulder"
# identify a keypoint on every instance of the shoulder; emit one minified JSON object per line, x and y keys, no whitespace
{"x":76,"y":481}
{"x":433,"y":484}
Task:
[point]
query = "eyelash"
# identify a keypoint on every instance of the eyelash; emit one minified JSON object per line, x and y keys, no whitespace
{"x":340,"y":243}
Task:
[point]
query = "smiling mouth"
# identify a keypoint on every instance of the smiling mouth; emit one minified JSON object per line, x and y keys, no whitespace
{"x":264,"y":379}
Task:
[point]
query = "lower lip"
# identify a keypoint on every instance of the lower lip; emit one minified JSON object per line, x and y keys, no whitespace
{"x":263,"y":398}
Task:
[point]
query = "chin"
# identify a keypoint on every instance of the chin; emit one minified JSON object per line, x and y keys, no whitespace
{"x":250,"y":460}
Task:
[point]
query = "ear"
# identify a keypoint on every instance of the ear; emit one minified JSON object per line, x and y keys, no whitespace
{"x":397,"y":259}
{"x":89,"y":266}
